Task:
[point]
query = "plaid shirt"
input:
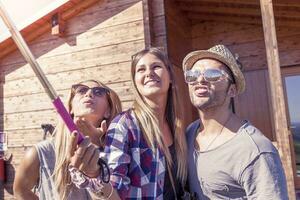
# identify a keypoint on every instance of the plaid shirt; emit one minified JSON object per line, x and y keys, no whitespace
{"x":136,"y":171}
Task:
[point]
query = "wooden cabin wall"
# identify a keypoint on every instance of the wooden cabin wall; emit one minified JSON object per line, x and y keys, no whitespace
{"x":179,"y":44}
{"x":158,"y":24}
{"x":98,"y":44}
{"x":248,"y":42}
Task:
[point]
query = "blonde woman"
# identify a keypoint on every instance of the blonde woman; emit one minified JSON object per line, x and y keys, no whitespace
{"x":145,"y":146}
{"x":45,"y":166}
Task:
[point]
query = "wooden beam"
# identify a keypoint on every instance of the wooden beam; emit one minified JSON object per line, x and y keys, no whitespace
{"x":238,"y":9}
{"x":290,"y":3}
{"x":7,"y":49}
{"x":277,"y":97}
{"x":197,"y":17}
{"x":220,"y":10}
{"x":148,"y":24}
{"x":242,"y":2}
{"x":276,"y":3}
{"x":200,"y":17}
{"x":57,"y":25}
{"x":80,"y":6}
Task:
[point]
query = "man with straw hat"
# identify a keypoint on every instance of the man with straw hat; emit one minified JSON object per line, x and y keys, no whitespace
{"x":228,"y":157}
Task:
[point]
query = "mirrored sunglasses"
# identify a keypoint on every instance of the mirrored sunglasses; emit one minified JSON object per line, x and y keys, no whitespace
{"x":83,"y":89}
{"x":209,"y":75}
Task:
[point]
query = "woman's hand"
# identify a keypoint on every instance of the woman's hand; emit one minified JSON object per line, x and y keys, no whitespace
{"x":84,"y":156}
{"x":88,"y":129}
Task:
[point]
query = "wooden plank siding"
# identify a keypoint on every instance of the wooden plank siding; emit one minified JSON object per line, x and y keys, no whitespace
{"x":98,"y":44}
{"x":179,"y":43}
{"x":248,"y":41}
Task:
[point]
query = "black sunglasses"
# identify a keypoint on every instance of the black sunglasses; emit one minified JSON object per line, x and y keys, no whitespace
{"x":83,"y":89}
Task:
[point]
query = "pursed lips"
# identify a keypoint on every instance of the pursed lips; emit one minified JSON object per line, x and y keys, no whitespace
{"x":200,"y":90}
{"x":89,"y":101}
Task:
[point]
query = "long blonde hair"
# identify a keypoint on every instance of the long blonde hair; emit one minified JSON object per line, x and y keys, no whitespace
{"x":149,"y":123}
{"x":62,"y":137}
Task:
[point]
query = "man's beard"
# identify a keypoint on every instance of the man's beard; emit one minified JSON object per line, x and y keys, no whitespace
{"x":212,"y":101}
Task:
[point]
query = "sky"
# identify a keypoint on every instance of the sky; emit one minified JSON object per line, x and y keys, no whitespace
{"x":24,"y":13}
{"x":292,"y":84}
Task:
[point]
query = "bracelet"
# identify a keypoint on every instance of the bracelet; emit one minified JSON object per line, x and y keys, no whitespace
{"x":101,"y":193}
{"x":95,"y":185}
{"x":82,"y":181}
{"x":78,"y":178}
{"x":111,"y":192}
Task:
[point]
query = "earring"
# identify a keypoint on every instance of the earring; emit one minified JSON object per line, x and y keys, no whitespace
{"x":231,"y":92}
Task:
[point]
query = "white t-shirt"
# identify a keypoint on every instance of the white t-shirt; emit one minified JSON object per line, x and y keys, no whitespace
{"x":247,"y":166}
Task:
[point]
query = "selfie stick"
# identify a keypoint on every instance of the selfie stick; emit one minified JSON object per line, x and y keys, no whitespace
{"x":25,"y":51}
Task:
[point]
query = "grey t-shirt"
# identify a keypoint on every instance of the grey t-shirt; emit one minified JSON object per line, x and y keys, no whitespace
{"x":45,"y":188}
{"x":247,"y":166}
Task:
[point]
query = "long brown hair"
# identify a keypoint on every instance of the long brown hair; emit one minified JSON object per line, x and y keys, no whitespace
{"x":62,"y":137}
{"x":148,"y":121}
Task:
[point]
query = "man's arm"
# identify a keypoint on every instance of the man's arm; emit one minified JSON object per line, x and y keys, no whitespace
{"x":264,"y":178}
{"x":27,"y":176}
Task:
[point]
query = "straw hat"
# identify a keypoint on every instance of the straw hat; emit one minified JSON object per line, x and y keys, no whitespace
{"x":222,"y":54}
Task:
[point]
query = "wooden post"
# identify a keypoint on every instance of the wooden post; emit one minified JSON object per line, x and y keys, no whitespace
{"x":147,"y":18}
{"x":277,"y":97}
